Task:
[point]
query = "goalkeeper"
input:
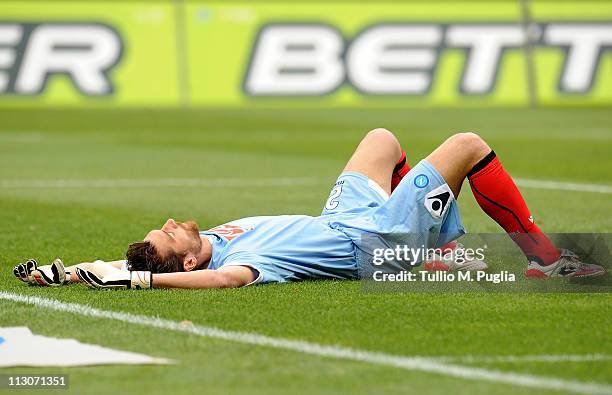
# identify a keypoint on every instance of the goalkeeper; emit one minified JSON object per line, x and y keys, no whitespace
{"x":376,"y":194}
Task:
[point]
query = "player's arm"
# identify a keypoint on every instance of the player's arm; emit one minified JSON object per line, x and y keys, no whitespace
{"x":56,"y":273}
{"x":52,"y":275}
{"x":104,"y":276}
{"x":71,"y":270}
{"x":225,"y":277}
{"x":116,"y":264}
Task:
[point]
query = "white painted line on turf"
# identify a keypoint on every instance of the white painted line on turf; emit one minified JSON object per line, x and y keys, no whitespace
{"x":416,"y":363}
{"x":563,"y":186}
{"x":156,"y":183}
{"x":251,"y":182}
{"x":526,"y":358}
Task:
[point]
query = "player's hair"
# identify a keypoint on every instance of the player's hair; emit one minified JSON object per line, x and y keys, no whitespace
{"x":142,"y":255}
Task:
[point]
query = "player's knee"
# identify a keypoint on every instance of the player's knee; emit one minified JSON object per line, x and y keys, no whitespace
{"x":380,"y":133}
{"x":470,"y":143}
{"x":384,"y":139}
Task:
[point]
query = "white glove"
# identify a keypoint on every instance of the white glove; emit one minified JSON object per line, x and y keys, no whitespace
{"x":52,"y":275}
{"x":102,"y":275}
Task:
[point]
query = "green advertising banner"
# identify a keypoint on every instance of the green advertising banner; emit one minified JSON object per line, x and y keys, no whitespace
{"x":81,"y":53}
{"x":339,"y":54}
{"x":575,"y":68}
{"x":308,"y":53}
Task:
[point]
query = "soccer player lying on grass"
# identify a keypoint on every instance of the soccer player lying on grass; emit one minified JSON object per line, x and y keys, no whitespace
{"x":376,"y":194}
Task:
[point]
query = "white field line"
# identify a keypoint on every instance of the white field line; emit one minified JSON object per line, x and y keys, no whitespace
{"x":251,"y":182}
{"x":155,"y":183}
{"x":414,"y":363}
{"x":526,"y":358}
{"x":563,"y":186}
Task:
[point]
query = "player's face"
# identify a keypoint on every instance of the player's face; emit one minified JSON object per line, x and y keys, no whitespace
{"x":174,"y":237}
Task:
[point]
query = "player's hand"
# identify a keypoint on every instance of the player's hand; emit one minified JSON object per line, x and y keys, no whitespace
{"x":23,"y":271}
{"x":52,"y":275}
{"x":98,"y":275}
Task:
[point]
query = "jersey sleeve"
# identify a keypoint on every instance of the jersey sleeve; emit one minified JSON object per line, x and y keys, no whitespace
{"x":265,"y":271}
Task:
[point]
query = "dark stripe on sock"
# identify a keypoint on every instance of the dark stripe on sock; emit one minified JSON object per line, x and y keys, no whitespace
{"x":504,"y":208}
{"x":399,"y":165}
{"x":483,"y":162}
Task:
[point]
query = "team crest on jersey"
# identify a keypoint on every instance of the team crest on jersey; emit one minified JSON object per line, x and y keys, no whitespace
{"x":229,"y":231}
{"x":421,"y":181}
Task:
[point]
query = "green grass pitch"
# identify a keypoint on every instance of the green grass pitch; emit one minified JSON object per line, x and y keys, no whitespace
{"x":83,"y":223}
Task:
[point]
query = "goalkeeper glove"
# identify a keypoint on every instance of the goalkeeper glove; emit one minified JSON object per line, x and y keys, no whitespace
{"x":98,"y":275}
{"x":52,"y":275}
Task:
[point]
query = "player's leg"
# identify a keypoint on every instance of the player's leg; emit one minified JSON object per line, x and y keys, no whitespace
{"x":467,"y":155}
{"x":457,"y":156}
{"x":366,"y":179}
{"x":376,"y":157}
{"x":400,"y":170}
{"x":374,"y":170}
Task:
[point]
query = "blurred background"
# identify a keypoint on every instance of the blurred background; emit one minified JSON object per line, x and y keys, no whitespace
{"x":401,"y":54}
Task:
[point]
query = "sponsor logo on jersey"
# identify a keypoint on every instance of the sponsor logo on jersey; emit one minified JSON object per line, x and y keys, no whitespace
{"x":438,"y":201}
{"x":229,"y":231}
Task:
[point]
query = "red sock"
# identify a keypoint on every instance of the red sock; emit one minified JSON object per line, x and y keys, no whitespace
{"x":400,"y":170}
{"x":499,"y":197}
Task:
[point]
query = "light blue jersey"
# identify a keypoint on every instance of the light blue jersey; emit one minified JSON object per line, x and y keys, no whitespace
{"x":358,"y":217}
{"x":283,"y":248}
